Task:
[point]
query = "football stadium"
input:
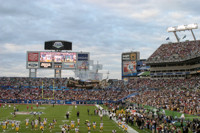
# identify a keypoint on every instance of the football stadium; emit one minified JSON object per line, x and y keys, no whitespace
{"x":157,"y":94}
{"x":166,"y":99}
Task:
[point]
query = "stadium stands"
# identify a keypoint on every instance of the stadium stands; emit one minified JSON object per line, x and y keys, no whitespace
{"x":178,"y":60}
{"x":175,"y":52}
{"x":31,"y":89}
{"x":139,"y":83}
{"x":184,"y":101}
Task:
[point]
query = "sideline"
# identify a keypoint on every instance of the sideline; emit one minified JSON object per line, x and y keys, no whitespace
{"x":130,"y":129}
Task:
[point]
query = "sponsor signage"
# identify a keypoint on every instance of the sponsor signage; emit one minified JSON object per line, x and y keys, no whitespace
{"x":129,"y":68}
{"x":56,"y":66}
{"x":126,"y":57}
{"x":32,"y":65}
{"x":69,"y":65}
{"x":45,"y":65}
{"x":58,"y":45}
{"x":33,"y":56}
{"x":173,"y":73}
{"x":133,"y":56}
{"x":82,"y":57}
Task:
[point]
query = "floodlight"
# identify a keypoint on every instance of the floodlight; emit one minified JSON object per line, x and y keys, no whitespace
{"x":181,"y":28}
{"x":192,"y":26}
{"x":171,"y":29}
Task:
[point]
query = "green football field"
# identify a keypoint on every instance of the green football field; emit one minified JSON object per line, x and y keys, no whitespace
{"x":57,"y":112}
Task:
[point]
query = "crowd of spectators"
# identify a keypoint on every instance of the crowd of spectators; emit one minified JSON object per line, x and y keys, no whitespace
{"x":184,"y":101}
{"x":139,"y":83}
{"x":21,"y":82}
{"x":71,"y":94}
{"x":182,"y":95}
{"x":156,"y":120}
{"x":176,"y":52}
{"x":31,"y":89}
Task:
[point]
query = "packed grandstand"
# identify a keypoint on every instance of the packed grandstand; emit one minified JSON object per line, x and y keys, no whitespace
{"x":180,"y":59}
{"x":174,"y":93}
{"x":176,"y":52}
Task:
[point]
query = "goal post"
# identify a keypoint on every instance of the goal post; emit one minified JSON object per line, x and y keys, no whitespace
{"x":48,"y":97}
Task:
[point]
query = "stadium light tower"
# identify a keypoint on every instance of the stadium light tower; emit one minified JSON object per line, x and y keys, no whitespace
{"x":183,"y":28}
{"x":192,"y":26}
{"x":173,"y":29}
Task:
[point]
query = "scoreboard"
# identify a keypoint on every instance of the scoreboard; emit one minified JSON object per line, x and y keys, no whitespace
{"x":57,"y":60}
{"x":129,"y":64}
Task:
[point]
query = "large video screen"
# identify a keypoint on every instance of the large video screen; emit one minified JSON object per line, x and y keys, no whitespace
{"x":57,"y":57}
{"x":129,"y":68}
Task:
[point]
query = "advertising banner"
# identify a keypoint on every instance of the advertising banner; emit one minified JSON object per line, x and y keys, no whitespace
{"x":58,"y":65}
{"x":126,"y":57}
{"x":45,"y":65}
{"x":33,"y":56}
{"x":32,"y":65}
{"x":133,"y":56}
{"x":82,"y":57}
{"x":129,"y":68}
{"x":69,"y":65}
{"x":58,"y":45}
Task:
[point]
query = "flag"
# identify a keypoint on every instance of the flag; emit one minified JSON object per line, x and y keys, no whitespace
{"x":167,"y":38}
{"x":184,"y":37}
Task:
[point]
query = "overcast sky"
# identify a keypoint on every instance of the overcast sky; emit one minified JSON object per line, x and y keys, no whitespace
{"x":105,"y":28}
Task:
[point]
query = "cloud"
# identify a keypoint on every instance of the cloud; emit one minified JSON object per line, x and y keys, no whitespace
{"x":9,"y":48}
{"x":145,"y":14}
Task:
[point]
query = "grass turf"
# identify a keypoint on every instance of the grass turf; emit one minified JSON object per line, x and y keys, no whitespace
{"x":58,"y":112}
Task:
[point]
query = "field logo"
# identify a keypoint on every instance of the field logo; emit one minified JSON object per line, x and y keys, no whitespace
{"x":36,"y":113}
{"x":28,"y":113}
{"x":58,"y":44}
{"x":22,"y":113}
